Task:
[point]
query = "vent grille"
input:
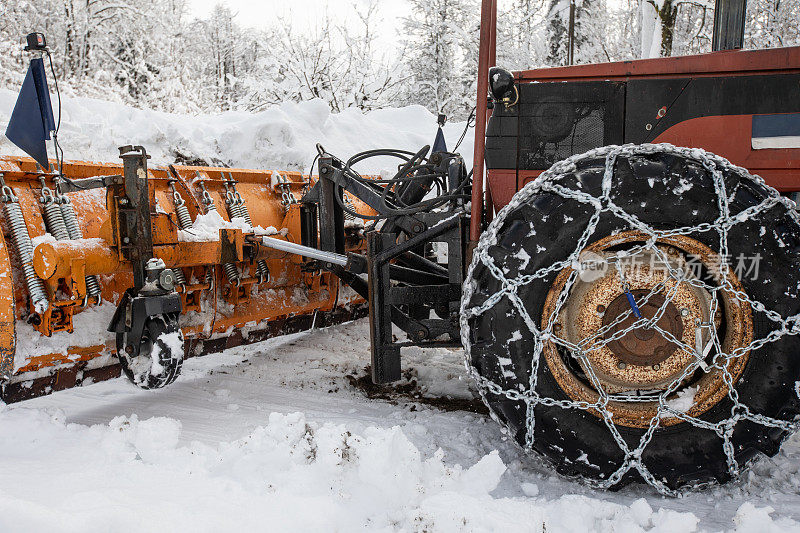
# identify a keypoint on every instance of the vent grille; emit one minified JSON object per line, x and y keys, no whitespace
{"x":558,"y":120}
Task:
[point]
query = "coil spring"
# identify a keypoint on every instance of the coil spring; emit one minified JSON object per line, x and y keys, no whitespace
{"x":184,"y":219}
{"x":74,"y":232}
{"x":231,"y":273}
{"x":232,"y":205}
{"x":238,"y":208}
{"x":93,"y":285}
{"x":207,"y":200}
{"x":210,"y":206}
{"x":53,"y":218}
{"x":70,"y":220}
{"x":185,"y":222}
{"x":262,"y":270}
{"x":349,"y":203}
{"x":242,"y":208}
{"x":24,"y":247}
{"x":180,"y":278}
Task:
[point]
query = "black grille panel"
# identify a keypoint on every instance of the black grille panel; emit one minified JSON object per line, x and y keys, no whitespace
{"x":557,"y":120}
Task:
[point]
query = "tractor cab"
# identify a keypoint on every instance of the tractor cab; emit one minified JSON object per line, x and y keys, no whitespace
{"x":741,"y":105}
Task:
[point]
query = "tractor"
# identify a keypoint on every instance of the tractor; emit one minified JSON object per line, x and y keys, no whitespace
{"x":620,"y":265}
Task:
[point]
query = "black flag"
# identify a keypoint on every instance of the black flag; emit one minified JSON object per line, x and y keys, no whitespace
{"x":32,"y":120}
{"x":438,"y":144}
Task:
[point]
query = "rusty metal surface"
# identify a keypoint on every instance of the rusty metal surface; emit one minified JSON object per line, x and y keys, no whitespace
{"x":631,"y":362}
{"x":642,"y":346}
{"x":636,"y":364}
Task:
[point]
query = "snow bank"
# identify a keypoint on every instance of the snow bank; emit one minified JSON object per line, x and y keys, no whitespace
{"x":289,"y":474}
{"x":281,"y":137}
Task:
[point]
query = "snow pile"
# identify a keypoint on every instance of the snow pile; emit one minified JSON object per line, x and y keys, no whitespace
{"x":89,"y":330}
{"x":206,"y":228}
{"x":750,"y":518}
{"x":289,"y":473}
{"x":282,"y":137}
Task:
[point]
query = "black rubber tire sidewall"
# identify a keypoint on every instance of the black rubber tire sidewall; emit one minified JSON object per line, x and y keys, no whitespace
{"x":578,"y":443}
{"x":171,"y":366}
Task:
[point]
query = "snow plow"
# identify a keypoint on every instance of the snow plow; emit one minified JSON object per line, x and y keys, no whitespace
{"x":84,"y":243}
{"x":625,"y":287}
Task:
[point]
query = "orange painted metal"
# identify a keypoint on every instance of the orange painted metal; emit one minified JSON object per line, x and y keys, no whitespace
{"x":8,"y":339}
{"x":58,"y":259}
{"x":210,"y":310}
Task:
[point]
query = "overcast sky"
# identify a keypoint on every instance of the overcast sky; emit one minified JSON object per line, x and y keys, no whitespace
{"x":264,"y":13}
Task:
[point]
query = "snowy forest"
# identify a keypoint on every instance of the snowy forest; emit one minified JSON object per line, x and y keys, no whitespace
{"x":156,"y":54}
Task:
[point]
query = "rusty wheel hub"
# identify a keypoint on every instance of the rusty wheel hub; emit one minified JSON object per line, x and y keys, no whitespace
{"x":597,"y":317}
{"x":642,"y":346}
{"x":624,"y":357}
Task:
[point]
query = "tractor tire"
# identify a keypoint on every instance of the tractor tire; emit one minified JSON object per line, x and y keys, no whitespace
{"x":542,"y":391}
{"x":159,"y":359}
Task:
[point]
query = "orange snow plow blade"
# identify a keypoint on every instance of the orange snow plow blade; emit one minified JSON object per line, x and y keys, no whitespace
{"x":58,"y":292}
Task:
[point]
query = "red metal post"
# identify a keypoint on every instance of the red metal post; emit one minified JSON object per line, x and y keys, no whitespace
{"x":488,"y":26}
{"x":493,"y":37}
{"x":488,"y":204}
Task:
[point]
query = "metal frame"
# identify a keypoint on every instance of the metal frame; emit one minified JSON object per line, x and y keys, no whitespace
{"x":402,"y":287}
{"x":408,"y":304}
{"x":130,"y":213}
{"x":132,"y":209}
{"x":486,"y":57}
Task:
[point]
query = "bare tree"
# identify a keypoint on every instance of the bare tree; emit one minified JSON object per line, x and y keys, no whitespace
{"x":659,"y":19}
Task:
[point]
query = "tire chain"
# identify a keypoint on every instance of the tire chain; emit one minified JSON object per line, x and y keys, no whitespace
{"x":546,"y":182}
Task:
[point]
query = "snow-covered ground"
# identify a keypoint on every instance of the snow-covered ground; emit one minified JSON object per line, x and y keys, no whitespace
{"x":276,"y":436}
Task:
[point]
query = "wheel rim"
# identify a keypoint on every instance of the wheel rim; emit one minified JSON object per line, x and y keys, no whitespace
{"x":632,"y":367}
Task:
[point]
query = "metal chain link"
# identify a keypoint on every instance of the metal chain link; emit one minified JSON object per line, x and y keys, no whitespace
{"x":548,"y":182}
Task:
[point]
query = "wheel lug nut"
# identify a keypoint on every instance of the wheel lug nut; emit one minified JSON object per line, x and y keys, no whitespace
{"x":621,"y":365}
{"x":656,"y":367}
{"x":684,"y":312}
{"x":601,"y":308}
